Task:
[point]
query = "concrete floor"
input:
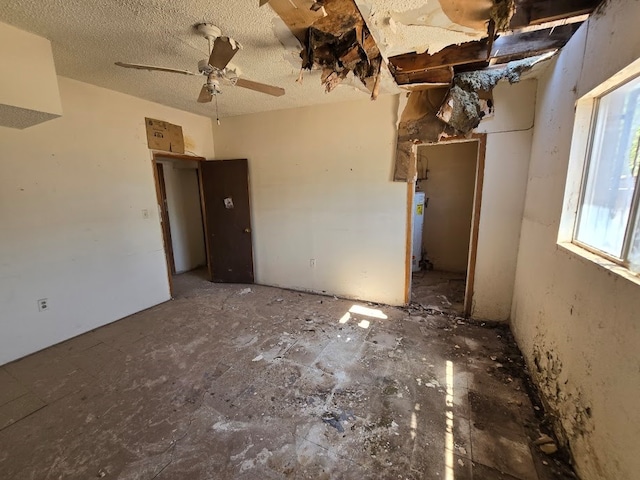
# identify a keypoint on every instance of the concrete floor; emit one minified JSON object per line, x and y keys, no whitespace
{"x":226,"y":382}
{"x":439,"y":291}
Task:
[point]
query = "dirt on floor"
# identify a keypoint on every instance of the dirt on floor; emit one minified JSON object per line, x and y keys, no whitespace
{"x":438,"y":292}
{"x":252,"y":382}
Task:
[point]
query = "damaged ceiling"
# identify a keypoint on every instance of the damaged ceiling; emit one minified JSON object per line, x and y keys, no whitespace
{"x":351,"y":48}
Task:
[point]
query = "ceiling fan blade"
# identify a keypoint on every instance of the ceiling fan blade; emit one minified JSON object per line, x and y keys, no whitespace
{"x":205,"y":96}
{"x":260,"y":87}
{"x":154,"y":68}
{"x":223,"y":51}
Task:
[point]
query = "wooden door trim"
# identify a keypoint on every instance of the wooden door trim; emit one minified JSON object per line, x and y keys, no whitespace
{"x":205,"y":227}
{"x":475,"y":225}
{"x":161,"y":196}
{"x":176,"y":156}
{"x":408,"y":273}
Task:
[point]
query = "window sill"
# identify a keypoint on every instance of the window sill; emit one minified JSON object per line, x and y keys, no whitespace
{"x":607,"y":265}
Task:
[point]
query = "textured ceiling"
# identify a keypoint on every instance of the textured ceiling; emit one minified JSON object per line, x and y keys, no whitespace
{"x":88,"y":36}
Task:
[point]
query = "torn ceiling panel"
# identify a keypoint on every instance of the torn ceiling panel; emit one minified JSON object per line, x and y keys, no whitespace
{"x":297,"y":14}
{"x":517,"y":30}
{"x":430,"y":115}
{"x":163,"y":33}
{"x":469,"y":52}
{"x":420,"y":26}
{"x":417,"y":124}
{"x":469,"y":13}
{"x":335,"y":39}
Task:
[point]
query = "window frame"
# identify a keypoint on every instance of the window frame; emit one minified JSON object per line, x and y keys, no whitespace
{"x":632,"y":218}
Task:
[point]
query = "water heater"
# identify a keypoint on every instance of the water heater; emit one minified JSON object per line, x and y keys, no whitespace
{"x":418,"y":222}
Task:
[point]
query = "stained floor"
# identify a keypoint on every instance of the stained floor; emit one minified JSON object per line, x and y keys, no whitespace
{"x":232,"y":381}
{"x":439,"y":291}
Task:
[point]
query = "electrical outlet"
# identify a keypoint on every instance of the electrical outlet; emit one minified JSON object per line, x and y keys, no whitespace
{"x":312,"y":263}
{"x":145,"y":214}
{"x":43,"y":304}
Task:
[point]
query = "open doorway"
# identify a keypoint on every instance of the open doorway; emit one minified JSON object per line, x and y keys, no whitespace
{"x":446,"y":208}
{"x":182,"y":220}
{"x":205,"y":216}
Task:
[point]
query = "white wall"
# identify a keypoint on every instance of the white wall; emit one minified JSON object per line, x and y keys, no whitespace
{"x":509,"y":135}
{"x":576,"y":322}
{"x":321,"y":188}
{"x":28,"y":84}
{"x":72,"y":195}
{"x":450,"y":189}
{"x":320,"y":185}
{"x":185,"y":214}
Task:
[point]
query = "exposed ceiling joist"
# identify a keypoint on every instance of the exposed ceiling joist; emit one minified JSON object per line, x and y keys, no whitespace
{"x":533,"y":12}
{"x":508,"y":48}
{"x":470,"y":52}
{"x":436,"y":76}
{"x":335,"y":38}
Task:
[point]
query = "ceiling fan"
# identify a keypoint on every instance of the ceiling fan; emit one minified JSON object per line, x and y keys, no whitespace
{"x":221,"y":51}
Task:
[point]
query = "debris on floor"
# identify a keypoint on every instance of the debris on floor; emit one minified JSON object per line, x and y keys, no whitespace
{"x":217,"y":385}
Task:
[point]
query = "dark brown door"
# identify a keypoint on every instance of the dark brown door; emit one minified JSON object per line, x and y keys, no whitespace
{"x":227,"y":220}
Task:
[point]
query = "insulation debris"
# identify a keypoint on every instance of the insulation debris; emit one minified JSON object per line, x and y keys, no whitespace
{"x":341,"y":43}
{"x":432,"y":114}
{"x":418,"y":124}
{"x":469,"y":99}
{"x":501,"y":13}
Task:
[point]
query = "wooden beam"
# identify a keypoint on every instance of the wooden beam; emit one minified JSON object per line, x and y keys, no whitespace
{"x":530,"y":44}
{"x":533,"y":12}
{"x":469,"y":52}
{"x":442,"y":76}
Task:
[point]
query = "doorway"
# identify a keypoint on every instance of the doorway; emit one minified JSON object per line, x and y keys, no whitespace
{"x":205,"y":217}
{"x":446,"y":209}
{"x":181,"y":217}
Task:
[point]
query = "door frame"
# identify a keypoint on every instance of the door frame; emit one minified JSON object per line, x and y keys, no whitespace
{"x":481,"y":140}
{"x":156,"y":159}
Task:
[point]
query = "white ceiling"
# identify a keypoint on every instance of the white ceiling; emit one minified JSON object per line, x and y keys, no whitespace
{"x":88,"y":36}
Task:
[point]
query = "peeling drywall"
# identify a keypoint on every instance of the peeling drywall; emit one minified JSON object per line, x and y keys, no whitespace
{"x":567,"y":408}
{"x":469,"y":13}
{"x":419,"y":26}
{"x":431,"y":114}
{"x":417,"y":124}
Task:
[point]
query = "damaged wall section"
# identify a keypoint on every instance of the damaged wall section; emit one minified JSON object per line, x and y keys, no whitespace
{"x":435,"y":113}
{"x":575,"y":321}
{"x":508,"y":143}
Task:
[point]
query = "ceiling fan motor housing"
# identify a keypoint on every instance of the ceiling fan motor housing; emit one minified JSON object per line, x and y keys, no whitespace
{"x":209,"y":31}
{"x":213,"y":86}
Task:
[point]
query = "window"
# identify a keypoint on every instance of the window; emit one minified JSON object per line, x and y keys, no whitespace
{"x":609,"y":215}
